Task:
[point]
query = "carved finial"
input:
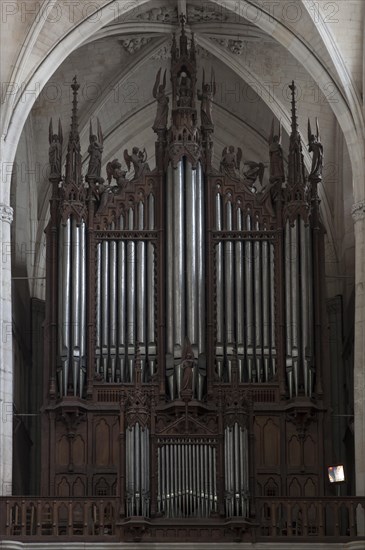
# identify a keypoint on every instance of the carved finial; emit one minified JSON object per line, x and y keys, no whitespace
{"x":192,"y":48}
{"x":183,"y":37}
{"x":294,"y":122}
{"x":73,"y":161}
{"x":183,"y":22}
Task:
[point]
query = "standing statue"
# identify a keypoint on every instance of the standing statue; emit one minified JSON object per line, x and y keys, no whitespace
{"x":315,"y":146}
{"x":231,"y":161}
{"x":114,"y":171}
{"x":184,"y":91}
{"x":187,"y":377}
{"x":162,"y":102}
{"x":55,"y":150}
{"x":95,"y":151}
{"x":255,"y":170}
{"x":139,"y":160}
{"x":276,"y":155}
{"x":206,"y":97}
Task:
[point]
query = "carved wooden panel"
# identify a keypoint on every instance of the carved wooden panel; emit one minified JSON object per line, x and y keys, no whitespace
{"x":102,"y":447}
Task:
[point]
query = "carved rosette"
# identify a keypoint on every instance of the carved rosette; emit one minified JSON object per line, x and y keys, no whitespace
{"x":358,"y":211}
{"x":6,"y":213}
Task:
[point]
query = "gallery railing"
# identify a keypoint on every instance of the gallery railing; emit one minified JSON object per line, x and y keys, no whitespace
{"x":276,"y":518}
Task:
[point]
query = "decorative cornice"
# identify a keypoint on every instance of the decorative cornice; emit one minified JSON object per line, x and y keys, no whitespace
{"x":358,"y":211}
{"x":6,"y":213}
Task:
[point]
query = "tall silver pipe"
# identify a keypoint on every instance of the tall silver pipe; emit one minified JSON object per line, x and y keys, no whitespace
{"x":304,"y":291}
{"x":137,"y":451}
{"x":75,"y":330}
{"x":266,"y":306}
{"x":112,"y":309}
{"x":162,"y":478}
{"x":249,"y":301}
{"x":310,"y":307}
{"x":179,"y":258}
{"x":237,"y":464}
{"x":200,"y":248}
{"x":229,"y":289}
{"x":272,"y":307}
{"x":98,"y":307}
{"x":131,"y":296}
{"x":219,"y":287}
{"x":294,"y":301}
{"x":240,"y":337}
{"x":288,"y":306}
{"x":191,"y":256}
{"x":141,"y":301}
{"x":258,"y":313}
{"x":104,"y":307}
{"x":65,"y":303}
{"x":170,"y":262}
{"x":82,"y":307}
{"x":122,"y":302}
{"x":151,"y":328}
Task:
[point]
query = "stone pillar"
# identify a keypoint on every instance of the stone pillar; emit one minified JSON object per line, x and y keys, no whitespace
{"x":358,"y":214}
{"x":6,"y":354}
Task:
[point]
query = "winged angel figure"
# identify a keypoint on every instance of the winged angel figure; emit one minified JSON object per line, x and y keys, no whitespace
{"x":55,"y":150}
{"x":95,"y":151}
{"x":315,"y":146}
{"x":162,"y":102}
{"x":276,"y":155}
{"x":139,"y":160}
{"x":231,"y":161}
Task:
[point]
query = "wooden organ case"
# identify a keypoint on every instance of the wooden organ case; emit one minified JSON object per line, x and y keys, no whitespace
{"x":185,"y":340}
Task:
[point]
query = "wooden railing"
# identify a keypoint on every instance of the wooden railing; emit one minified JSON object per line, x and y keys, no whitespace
{"x":276,"y":519}
{"x":308,"y":518}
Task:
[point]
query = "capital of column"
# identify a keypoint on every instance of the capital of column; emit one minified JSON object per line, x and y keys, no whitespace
{"x":6,"y":213}
{"x":358,"y":211}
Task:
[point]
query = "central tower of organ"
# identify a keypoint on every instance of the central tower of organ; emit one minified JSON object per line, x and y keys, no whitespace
{"x":185,"y":342}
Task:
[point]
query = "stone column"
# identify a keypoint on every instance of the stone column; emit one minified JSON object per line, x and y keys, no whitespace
{"x":358,"y":214}
{"x":6,"y":354}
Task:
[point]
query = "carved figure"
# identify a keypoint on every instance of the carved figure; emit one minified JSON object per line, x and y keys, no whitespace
{"x":231,"y":161}
{"x":206,"y":97}
{"x":55,"y":150}
{"x":276,"y":155}
{"x":187,"y":378}
{"x":256,"y":170}
{"x":162,"y":102}
{"x":139,"y":160}
{"x":184,"y":99}
{"x":114,"y":171}
{"x":95,"y":151}
{"x":315,"y":146}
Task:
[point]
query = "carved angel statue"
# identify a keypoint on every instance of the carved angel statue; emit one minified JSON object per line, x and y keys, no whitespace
{"x":255,"y":170}
{"x":139,"y":160}
{"x":206,"y":97}
{"x":162,"y":102}
{"x":231,"y":161}
{"x":55,"y":150}
{"x":95,"y":151}
{"x":106,"y":192}
{"x":276,"y":155}
{"x":315,"y":146}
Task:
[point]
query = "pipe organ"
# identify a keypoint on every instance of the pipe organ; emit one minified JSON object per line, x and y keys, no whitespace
{"x":185,"y":342}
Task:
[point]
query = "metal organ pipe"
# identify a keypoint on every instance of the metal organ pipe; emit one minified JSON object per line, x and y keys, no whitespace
{"x":76,"y":290}
{"x":131,"y":296}
{"x":294,"y":300}
{"x":239,"y":298}
{"x":151,"y":289}
{"x":236,"y":470}
{"x":141,"y":290}
{"x":122,"y":300}
{"x":288,"y":307}
{"x":64,"y":309}
{"x":191,"y":256}
{"x":229,"y":290}
{"x":272,"y":308}
{"x":104,"y":307}
{"x":249,"y":303}
{"x":219,"y":287}
{"x":112,"y":311}
{"x":179,"y":257}
{"x":98,"y":308}
{"x":258,"y":314}
{"x":82,"y":307}
{"x":200,"y":258}
{"x":266,"y":307}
